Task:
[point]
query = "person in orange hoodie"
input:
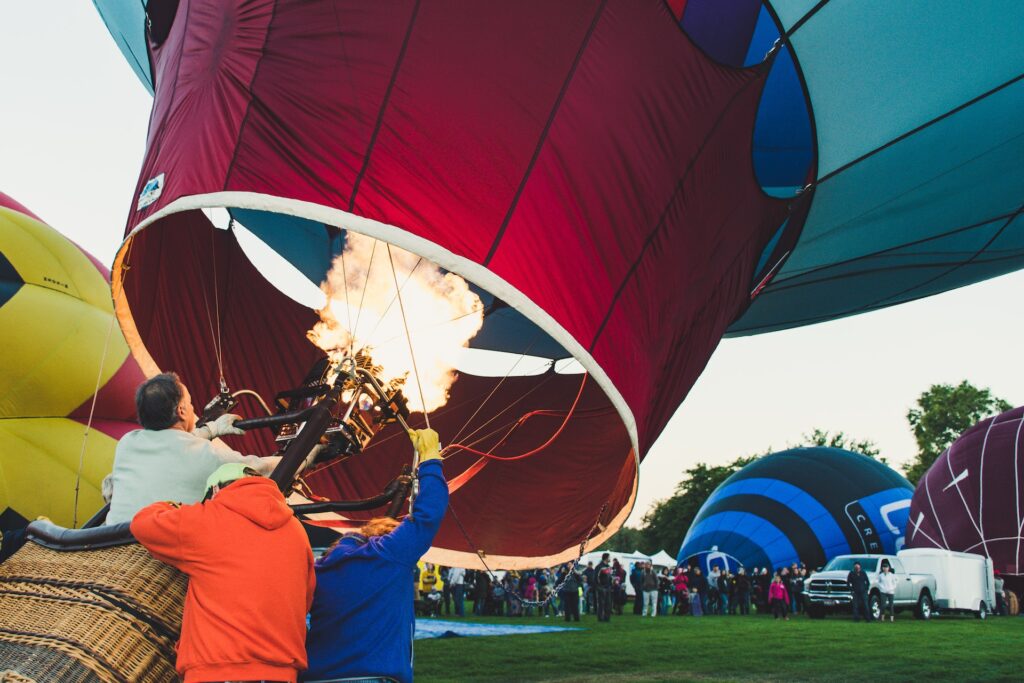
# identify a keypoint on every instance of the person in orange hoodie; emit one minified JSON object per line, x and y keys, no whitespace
{"x":242,"y":528}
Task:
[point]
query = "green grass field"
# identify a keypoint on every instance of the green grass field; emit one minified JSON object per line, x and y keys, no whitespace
{"x":631,"y":648}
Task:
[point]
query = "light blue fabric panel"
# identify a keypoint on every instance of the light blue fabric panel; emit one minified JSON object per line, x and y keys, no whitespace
{"x":126,"y":21}
{"x":762,"y":262}
{"x":917,"y":218}
{"x":960,"y":171}
{"x":876,"y":69}
{"x":305,"y":244}
{"x":1004,"y":255}
{"x":437,"y":628}
{"x":791,"y":11}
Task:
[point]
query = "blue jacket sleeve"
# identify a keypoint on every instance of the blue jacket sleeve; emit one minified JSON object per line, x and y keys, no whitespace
{"x":413,"y":537}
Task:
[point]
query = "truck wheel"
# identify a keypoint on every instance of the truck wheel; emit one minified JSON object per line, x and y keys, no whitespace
{"x":875,"y":606}
{"x":982,"y":611}
{"x":815,"y":612}
{"x":924,"y":607}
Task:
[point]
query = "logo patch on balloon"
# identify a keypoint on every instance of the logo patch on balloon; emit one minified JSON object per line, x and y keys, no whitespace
{"x":151,"y":192}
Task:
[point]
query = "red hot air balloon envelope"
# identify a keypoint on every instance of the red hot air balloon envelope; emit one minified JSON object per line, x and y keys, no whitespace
{"x":613,"y":191}
{"x":971,"y":498}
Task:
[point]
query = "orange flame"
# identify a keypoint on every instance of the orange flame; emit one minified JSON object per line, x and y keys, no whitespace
{"x":363,"y":313}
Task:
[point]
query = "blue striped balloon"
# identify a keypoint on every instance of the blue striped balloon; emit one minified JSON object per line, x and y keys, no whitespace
{"x":802,"y":505}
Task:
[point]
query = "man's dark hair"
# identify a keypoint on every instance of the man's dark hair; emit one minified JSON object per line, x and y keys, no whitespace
{"x":157,"y":399}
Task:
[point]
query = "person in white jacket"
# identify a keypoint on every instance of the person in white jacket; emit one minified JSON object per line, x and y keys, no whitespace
{"x":887,"y":588}
{"x":169,"y":459}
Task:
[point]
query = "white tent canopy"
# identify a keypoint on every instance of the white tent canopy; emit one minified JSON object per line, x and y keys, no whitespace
{"x":663,"y":559}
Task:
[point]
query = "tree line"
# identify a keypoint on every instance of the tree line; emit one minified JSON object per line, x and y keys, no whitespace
{"x":941,"y":414}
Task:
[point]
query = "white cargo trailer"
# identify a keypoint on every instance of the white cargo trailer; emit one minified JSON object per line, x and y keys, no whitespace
{"x":964,"y":582}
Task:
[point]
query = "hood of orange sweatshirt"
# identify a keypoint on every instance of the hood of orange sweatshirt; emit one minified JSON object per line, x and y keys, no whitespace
{"x":257,"y":499}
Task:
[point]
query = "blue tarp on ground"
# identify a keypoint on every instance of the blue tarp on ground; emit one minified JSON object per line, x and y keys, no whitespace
{"x":436,"y":628}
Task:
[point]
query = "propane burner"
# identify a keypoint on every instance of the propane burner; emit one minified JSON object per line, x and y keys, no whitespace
{"x":365,"y":405}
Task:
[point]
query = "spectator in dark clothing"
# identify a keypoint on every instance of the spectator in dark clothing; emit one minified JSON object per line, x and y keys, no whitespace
{"x":799,"y":580}
{"x":635,"y":579}
{"x":481,"y":590}
{"x":570,"y":594}
{"x":723,"y":592}
{"x":699,"y":583}
{"x":588,"y":574}
{"x":619,"y":571}
{"x":763,"y":581}
{"x":859,"y":585}
{"x":619,"y":597}
{"x":666,"y":592}
{"x":743,"y":591}
{"x":711,"y":604}
{"x":446,"y":591}
{"x":604,"y":587}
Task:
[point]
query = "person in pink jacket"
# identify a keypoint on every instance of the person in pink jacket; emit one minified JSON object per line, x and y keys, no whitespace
{"x":680,"y":584}
{"x":778,"y":598}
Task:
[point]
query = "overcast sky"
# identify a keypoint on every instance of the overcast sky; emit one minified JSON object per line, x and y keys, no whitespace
{"x":72,"y":132}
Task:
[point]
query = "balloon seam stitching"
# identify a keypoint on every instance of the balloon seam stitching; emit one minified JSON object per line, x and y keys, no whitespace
{"x":556,"y":107}
{"x":384,"y":106}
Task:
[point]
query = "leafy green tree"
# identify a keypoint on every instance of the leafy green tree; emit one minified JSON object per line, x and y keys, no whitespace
{"x":625,"y":539}
{"x":666,"y":523}
{"x":820,"y":437}
{"x":942,"y":414}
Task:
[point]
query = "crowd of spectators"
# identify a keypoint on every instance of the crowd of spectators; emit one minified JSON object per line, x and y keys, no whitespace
{"x":566,"y":592}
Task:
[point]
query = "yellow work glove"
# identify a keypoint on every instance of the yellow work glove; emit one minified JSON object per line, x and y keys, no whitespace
{"x":426,"y":443}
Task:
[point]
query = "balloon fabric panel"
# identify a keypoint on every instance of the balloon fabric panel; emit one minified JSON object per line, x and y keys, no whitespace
{"x":970,"y":499}
{"x":585,"y":166}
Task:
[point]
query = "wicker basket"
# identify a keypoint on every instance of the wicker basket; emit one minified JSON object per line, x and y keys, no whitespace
{"x":1012,"y":604}
{"x":92,"y":615}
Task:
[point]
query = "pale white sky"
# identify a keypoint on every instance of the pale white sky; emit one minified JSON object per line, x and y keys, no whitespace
{"x":73,"y":122}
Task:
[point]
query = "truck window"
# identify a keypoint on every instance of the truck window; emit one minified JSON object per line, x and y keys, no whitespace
{"x":845,"y":563}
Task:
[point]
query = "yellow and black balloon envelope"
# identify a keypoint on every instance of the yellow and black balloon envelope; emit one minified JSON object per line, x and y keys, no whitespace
{"x":61,"y":361}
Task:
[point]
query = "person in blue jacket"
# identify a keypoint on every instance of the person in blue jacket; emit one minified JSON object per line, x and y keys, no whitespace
{"x":362,"y":619}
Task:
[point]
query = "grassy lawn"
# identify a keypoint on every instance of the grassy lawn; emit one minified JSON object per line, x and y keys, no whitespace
{"x":631,"y":648}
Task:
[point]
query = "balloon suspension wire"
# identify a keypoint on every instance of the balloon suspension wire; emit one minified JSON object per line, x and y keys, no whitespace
{"x":408,"y":338}
{"x":216,"y":302}
{"x":215,"y":330}
{"x":392,"y":303}
{"x":493,"y":391}
{"x":522,"y":456}
{"x":362,"y":296}
{"x":88,"y":423}
{"x":558,"y":587}
{"x":494,"y":417}
{"x":348,"y":306}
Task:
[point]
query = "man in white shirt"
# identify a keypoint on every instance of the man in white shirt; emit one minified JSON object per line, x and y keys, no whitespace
{"x":169,"y":459}
{"x":457,"y":580}
{"x":887,"y":582}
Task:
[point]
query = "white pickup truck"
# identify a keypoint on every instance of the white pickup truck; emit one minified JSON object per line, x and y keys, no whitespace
{"x":827,"y":591}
